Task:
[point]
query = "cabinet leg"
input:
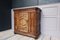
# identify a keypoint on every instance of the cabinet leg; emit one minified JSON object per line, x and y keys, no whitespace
{"x":35,"y":39}
{"x":15,"y":33}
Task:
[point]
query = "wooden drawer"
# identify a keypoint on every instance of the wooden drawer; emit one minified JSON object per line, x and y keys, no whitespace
{"x":27,"y":21}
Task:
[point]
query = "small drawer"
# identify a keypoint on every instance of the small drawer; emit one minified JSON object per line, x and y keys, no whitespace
{"x":50,"y":11}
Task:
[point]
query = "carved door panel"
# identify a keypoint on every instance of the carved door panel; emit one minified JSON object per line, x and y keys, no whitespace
{"x":21,"y":21}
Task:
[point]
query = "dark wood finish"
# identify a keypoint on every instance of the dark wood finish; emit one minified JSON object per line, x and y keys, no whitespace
{"x":27,"y":21}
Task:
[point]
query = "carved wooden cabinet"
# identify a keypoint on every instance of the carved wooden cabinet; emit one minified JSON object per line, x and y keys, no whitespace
{"x":27,"y":21}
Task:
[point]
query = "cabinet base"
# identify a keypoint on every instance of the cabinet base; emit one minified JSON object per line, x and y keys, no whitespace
{"x":28,"y":35}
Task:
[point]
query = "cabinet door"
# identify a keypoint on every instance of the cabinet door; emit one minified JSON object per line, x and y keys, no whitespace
{"x":21,"y":21}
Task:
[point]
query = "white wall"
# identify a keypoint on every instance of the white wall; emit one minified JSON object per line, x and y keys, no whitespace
{"x":50,"y":21}
{"x":50,"y":24}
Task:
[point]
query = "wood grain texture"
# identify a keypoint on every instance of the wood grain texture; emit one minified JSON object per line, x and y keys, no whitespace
{"x":27,"y":22}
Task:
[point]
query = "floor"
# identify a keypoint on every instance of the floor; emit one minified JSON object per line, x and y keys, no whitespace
{"x":9,"y":35}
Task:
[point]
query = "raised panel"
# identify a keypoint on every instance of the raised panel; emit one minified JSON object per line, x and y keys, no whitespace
{"x":49,"y":26}
{"x":50,"y":11}
{"x":21,"y":21}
